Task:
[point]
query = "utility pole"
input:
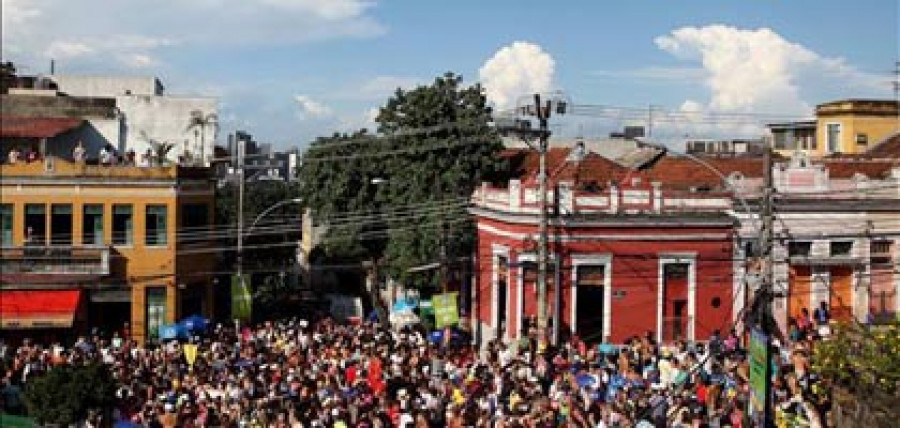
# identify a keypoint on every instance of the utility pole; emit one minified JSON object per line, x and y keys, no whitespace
{"x":896,"y":83}
{"x":766,"y":293}
{"x":543,"y":114}
{"x":239,"y":143}
{"x":443,"y":239}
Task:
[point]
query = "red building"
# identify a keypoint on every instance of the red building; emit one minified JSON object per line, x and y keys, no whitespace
{"x":631,"y":252}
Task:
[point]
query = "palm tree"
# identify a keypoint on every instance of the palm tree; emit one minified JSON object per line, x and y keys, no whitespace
{"x":159,"y":149}
{"x":199,"y":121}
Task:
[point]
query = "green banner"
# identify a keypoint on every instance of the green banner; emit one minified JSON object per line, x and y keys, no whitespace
{"x":446,"y":312}
{"x":241,"y":298}
{"x":758,"y":352}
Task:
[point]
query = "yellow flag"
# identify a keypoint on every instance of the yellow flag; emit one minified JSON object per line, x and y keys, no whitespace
{"x":190,"y":353}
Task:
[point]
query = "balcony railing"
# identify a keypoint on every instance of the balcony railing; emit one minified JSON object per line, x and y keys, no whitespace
{"x":54,"y":260}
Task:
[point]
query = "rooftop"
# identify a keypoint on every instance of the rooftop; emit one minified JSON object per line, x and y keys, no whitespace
{"x":36,"y":127}
{"x":56,"y":168}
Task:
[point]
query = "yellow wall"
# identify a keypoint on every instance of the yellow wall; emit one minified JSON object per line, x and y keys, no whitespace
{"x":137,"y":265}
{"x":875,"y":127}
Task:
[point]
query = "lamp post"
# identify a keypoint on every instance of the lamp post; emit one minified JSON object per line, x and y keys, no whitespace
{"x":241,"y":234}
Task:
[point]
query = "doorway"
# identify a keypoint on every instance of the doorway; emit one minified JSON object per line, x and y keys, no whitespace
{"x":589,"y":307}
{"x":675,"y":299}
{"x":502,"y":289}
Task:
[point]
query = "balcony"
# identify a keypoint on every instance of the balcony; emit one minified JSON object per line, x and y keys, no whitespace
{"x":54,"y":260}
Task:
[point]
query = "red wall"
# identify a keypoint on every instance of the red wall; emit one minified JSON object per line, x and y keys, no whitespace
{"x":635,"y":267}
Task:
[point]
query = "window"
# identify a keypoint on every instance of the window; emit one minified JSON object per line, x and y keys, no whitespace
{"x":833,"y":137}
{"x":6,"y":225}
{"x":194,"y":220}
{"x":156,"y":310}
{"x":799,"y":249}
{"x":122,"y":225}
{"x":675,"y":270}
{"x":35,"y":224}
{"x":61,"y":224}
{"x":92,"y":225}
{"x":880,"y":251}
{"x":155,"y":233}
{"x":862,"y":139}
{"x":841,"y":248}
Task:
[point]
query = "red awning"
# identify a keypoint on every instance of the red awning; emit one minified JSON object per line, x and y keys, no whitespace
{"x":38,"y":308}
{"x":36,"y":127}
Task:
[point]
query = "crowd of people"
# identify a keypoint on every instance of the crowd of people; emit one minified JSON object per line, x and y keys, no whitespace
{"x":321,"y":373}
{"x":106,"y":156}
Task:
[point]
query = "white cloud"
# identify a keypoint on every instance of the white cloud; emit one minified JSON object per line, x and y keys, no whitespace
{"x":139,"y":61}
{"x":378,"y":88}
{"x":65,"y":49}
{"x":310,"y":108}
{"x":328,"y":9}
{"x":521,"y":68}
{"x":750,"y":71}
{"x":666,"y":75}
{"x":36,"y":30}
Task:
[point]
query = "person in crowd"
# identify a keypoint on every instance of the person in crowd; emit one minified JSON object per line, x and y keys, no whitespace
{"x":107,"y":155}
{"x":79,"y":152}
{"x":14,"y":156}
{"x":322,"y":373}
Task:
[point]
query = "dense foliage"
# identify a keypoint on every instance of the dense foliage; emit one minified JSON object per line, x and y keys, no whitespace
{"x":861,"y":360}
{"x":396,"y":196}
{"x":66,"y":394}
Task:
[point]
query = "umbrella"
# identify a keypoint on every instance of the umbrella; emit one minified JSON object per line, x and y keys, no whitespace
{"x":606,"y":348}
{"x":436,"y":336}
{"x":172,"y":331}
{"x":404,"y":305}
{"x":126,"y":424}
{"x":586,"y":380}
{"x":194,"y":323}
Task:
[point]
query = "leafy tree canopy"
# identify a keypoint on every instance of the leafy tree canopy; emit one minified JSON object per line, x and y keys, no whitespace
{"x":66,"y":394}
{"x":396,"y":196}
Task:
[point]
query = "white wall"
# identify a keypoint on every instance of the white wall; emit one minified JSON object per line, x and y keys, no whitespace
{"x":106,"y":86}
{"x":166,"y":119}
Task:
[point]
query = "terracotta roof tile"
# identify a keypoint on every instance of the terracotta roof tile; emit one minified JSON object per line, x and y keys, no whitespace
{"x":36,"y":127}
{"x":889,"y":148}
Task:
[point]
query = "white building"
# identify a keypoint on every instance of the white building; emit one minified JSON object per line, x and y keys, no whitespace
{"x":147,"y":114}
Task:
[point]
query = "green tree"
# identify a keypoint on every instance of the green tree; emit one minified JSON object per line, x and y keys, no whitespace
{"x":434,"y":147}
{"x":66,"y":394}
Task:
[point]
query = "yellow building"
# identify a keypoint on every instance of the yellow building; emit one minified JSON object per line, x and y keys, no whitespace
{"x":99,"y":246}
{"x":852,"y":126}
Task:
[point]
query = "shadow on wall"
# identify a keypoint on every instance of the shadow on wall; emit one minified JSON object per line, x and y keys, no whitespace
{"x":62,"y":145}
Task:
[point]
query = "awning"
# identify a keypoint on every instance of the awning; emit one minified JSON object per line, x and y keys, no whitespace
{"x":36,"y":127}
{"x":22,"y":309}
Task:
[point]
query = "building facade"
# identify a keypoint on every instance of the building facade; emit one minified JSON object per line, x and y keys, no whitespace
{"x":124,"y":112}
{"x":104,"y":246}
{"x":853,"y":126}
{"x":630,"y":254}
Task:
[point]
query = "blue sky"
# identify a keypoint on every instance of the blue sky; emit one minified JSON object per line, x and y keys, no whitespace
{"x":289,"y":70}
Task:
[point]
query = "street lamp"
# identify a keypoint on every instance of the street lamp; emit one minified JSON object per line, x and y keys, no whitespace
{"x":241,"y":234}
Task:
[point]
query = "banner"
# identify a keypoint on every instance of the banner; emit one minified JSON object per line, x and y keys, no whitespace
{"x":446,"y":312}
{"x":241,"y":298}
{"x":190,"y":353}
{"x":759,"y":358}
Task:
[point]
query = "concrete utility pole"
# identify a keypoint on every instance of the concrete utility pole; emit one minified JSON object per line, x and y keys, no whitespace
{"x":766,"y":293}
{"x":542,"y":112}
{"x":239,"y":143}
